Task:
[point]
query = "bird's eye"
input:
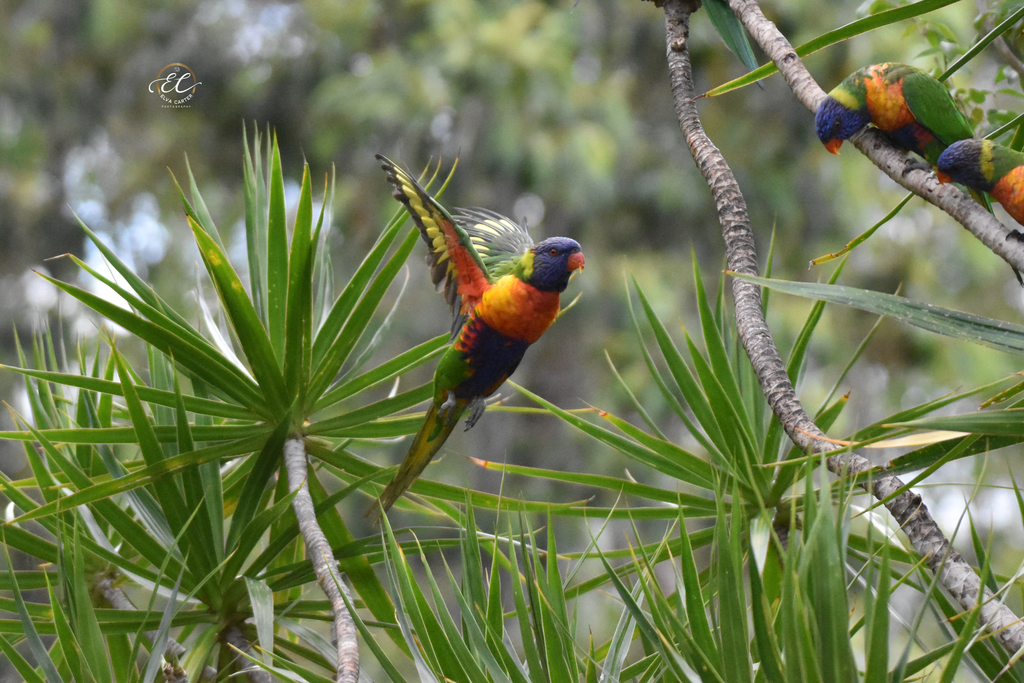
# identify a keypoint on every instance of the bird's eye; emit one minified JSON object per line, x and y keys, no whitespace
{"x":553,"y":251}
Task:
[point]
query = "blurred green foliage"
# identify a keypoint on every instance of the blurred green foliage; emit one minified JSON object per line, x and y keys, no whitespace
{"x":558,"y":112}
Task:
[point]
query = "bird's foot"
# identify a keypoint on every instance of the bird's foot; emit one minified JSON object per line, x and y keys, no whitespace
{"x":476,"y":411}
{"x":1016,"y":236}
{"x":446,"y":407}
{"x":916,"y":165}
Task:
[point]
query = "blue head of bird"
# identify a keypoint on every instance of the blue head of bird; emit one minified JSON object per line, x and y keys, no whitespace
{"x":836,"y":122}
{"x":962,"y":162}
{"x":554,"y":261}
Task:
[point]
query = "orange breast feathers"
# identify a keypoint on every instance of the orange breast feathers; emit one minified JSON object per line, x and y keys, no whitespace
{"x":886,"y":104}
{"x":1009,"y":192}
{"x":518,"y":310}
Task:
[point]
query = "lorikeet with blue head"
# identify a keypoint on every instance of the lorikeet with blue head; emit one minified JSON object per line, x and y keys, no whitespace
{"x":907,"y":104}
{"x":504,"y":293}
{"x":985,"y":166}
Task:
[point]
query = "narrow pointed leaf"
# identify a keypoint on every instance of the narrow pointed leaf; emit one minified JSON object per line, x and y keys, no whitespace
{"x":262,"y":600}
{"x":731,"y":31}
{"x":997,"y":334}
{"x":342,"y":308}
{"x":854,"y":28}
{"x":300,"y":292}
{"x":251,"y":334}
{"x":339,"y":352}
{"x":277,"y":255}
{"x":172,"y":501}
{"x":412,"y":358}
{"x":36,"y":645}
{"x":194,"y":358}
{"x":262,"y":470}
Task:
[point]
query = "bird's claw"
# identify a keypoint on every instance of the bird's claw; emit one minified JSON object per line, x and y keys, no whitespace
{"x":916,"y":165}
{"x":476,"y":410}
{"x":447,"y":406}
{"x":1016,"y":236}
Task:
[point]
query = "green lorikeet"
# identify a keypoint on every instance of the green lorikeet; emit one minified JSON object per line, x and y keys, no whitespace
{"x":911,"y":107}
{"x":983,"y":165}
{"x":504,"y":292}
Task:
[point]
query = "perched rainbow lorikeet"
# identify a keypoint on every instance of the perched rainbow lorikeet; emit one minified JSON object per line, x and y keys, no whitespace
{"x":911,"y":107}
{"x":983,"y":165}
{"x":504,"y":292}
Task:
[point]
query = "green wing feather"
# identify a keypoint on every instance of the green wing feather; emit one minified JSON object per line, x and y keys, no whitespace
{"x":932,"y":105}
{"x":458,"y":275}
{"x":498,"y":240}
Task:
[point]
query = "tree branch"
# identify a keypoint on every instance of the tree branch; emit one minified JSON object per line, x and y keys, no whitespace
{"x":908,"y":509}
{"x":876,"y":146}
{"x":324,"y":564}
{"x":116,"y":598}
{"x":236,"y":639}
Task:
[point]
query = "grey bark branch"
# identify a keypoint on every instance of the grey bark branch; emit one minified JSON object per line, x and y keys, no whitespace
{"x":956,"y":574}
{"x":116,"y":598}
{"x":324,"y":564}
{"x":236,"y":638}
{"x":876,"y":147}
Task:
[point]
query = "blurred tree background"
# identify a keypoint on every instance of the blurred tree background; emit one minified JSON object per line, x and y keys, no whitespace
{"x":559,"y":113}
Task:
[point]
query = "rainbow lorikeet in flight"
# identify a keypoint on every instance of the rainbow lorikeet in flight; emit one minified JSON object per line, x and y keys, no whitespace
{"x":504,"y":293}
{"x":912,"y":108}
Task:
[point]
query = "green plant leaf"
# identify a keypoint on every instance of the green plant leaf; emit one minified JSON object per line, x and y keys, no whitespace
{"x":356,"y":287}
{"x":403,"y":362}
{"x":338,"y":353}
{"x":262,"y":470}
{"x":298,"y":339}
{"x":262,"y":600}
{"x":203,"y":362}
{"x":876,"y":617}
{"x":854,"y":28}
{"x":731,"y":594}
{"x":996,"y":334}
{"x":250,"y":332}
{"x":731,"y":31}
{"x":277,"y":255}
{"x":36,"y":645}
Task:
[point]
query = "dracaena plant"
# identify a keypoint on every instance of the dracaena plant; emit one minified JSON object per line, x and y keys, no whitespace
{"x":166,"y":502}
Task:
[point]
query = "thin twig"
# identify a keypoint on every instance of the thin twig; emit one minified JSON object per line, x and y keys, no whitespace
{"x":908,"y":509}
{"x":324,"y":564}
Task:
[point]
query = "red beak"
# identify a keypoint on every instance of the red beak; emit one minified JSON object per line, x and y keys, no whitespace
{"x":943,"y":178}
{"x":576,"y":261}
{"x":833,"y":145}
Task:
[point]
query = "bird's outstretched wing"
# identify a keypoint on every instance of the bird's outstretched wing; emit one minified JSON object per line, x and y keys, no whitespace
{"x":498,"y":240}
{"x":455,"y":266}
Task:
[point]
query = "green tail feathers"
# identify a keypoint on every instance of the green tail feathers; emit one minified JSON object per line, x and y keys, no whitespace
{"x":432,"y":435}
{"x":981,"y":198}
